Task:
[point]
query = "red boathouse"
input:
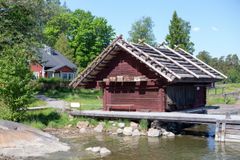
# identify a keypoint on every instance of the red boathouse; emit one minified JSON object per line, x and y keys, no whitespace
{"x":140,"y":77}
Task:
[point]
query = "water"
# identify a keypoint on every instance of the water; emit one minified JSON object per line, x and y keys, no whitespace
{"x":184,"y":147}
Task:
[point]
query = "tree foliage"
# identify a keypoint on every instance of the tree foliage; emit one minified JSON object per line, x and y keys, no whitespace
{"x":229,"y":65}
{"x":142,"y":30}
{"x":20,"y":30}
{"x":179,"y":34}
{"x":86,"y":35}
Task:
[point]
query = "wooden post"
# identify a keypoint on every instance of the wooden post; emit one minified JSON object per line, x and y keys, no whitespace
{"x":217,"y":131}
{"x":223,"y":132}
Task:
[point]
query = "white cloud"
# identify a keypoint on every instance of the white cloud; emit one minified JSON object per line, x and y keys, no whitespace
{"x":215,"y":29}
{"x":196,"y":29}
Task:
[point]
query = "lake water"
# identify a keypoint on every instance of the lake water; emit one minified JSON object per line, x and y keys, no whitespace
{"x":184,"y":147}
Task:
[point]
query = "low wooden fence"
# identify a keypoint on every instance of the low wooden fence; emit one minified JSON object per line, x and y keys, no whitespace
{"x":220,"y":92}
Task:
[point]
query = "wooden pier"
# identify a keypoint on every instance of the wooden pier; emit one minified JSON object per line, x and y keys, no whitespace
{"x":227,"y":126}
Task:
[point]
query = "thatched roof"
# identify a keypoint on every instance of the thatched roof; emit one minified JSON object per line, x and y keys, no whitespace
{"x":172,"y":64}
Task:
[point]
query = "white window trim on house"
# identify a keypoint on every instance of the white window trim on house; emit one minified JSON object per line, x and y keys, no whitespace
{"x":70,"y":75}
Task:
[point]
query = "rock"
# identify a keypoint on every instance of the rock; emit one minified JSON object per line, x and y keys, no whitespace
{"x":104,"y":152}
{"x":83,"y":130}
{"x":99,"y":128}
{"x":136,"y":132}
{"x":168,"y":134}
{"x":82,"y":124}
{"x":156,"y":124}
{"x":89,"y":149}
{"x":134,"y":125}
{"x":19,"y":140}
{"x":121,"y":125}
{"x":127,"y":131}
{"x":95,"y":149}
{"x":119,"y":131}
{"x":143,"y":133}
{"x":153,"y":132}
{"x":171,"y":134}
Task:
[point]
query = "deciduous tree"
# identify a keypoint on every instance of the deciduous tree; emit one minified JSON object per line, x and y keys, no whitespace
{"x":142,"y":30}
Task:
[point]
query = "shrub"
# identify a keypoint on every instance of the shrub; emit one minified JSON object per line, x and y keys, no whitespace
{"x":15,"y":81}
{"x":143,"y":124}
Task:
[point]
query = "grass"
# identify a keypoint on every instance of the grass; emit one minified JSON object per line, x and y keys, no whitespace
{"x":53,"y":118}
{"x":143,"y":124}
{"x":89,"y":99}
{"x":218,"y":98}
{"x":37,"y":102}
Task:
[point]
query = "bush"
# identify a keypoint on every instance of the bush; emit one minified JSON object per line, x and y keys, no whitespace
{"x":143,"y":124}
{"x":15,"y":81}
{"x":45,"y":84}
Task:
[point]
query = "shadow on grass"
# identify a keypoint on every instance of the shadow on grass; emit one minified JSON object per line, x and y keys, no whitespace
{"x":43,"y":117}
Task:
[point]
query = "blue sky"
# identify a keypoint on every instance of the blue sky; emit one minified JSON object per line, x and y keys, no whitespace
{"x":215,"y":23}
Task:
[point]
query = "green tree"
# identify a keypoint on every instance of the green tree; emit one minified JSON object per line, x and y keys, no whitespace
{"x":86,"y":34}
{"x":62,"y":45}
{"x":179,"y":34}
{"x":19,"y":33}
{"x":16,"y":90}
{"x":142,"y":30}
{"x":205,"y":56}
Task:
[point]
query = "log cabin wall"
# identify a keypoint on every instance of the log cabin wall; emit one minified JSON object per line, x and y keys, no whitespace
{"x":140,"y":96}
{"x":185,"y":96}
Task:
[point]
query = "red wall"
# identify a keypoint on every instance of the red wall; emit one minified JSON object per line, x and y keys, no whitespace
{"x":144,"y":96}
{"x":35,"y":67}
{"x":65,"y":69}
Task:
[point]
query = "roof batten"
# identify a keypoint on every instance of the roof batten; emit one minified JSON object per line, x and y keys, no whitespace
{"x":202,"y":62}
{"x":192,"y":73}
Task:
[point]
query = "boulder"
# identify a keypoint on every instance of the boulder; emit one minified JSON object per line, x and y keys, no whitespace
{"x":104,"y":152}
{"x":156,"y":124}
{"x":98,"y":128}
{"x":121,"y":125}
{"x":22,"y":141}
{"x":153,"y":132}
{"x":134,"y":125}
{"x":83,"y":130}
{"x":89,"y":149}
{"x":136,"y":132}
{"x":95,"y":149}
{"x":119,"y":131}
{"x":127,"y":131}
{"x":82,"y":124}
{"x":168,"y":134}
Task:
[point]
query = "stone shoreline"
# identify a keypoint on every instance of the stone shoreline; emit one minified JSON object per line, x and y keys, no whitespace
{"x":116,"y":128}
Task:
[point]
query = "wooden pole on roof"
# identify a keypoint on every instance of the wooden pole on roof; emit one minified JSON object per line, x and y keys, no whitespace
{"x":194,"y":64}
{"x":169,"y":58}
{"x":201,"y":61}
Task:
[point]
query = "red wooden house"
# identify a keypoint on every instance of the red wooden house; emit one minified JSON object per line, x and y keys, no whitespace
{"x":53,"y":64}
{"x":139,"y":77}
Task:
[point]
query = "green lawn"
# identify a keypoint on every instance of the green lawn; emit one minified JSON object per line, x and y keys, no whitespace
{"x":219,"y":98}
{"x":89,"y":99}
{"x":37,"y":102}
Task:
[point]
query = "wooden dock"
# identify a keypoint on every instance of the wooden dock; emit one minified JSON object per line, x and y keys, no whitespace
{"x":227,"y":127}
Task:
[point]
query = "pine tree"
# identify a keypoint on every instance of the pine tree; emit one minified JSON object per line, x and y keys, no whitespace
{"x":179,"y":34}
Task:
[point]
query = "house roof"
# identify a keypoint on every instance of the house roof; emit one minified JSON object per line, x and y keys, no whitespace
{"x":172,"y":64}
{"x":53,"y":59}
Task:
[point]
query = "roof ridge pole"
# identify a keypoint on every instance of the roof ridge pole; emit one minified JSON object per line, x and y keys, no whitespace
{"x":194,"y":64}
{"x":131,"y":52}
{"x":169,"y":58}
{"x":202,"y":62}
{"x":74,"y":83}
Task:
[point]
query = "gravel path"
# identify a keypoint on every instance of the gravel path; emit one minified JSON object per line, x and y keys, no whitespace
{"x":52,"y":103}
